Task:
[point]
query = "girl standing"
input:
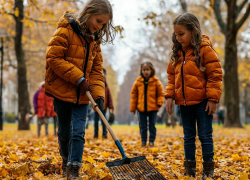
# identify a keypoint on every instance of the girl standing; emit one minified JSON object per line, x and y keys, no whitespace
{"x":75,"y":65}
{"x":147,"y":95}
{"x":194,"y":82}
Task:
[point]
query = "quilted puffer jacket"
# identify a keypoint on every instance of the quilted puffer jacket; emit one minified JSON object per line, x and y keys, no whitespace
{"x":187,"y":84}
{"x":146,"y":96}
{"x":71,"y":55}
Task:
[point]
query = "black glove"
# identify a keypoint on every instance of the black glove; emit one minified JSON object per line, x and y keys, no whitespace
{"x":84,"y":86}
{"x":99,"y":103}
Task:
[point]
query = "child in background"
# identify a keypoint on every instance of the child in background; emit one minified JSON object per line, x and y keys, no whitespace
{"x":194,"y":82}
{"x":108,"y":103}
{"x":75,"y":65}
{"x":40,"y":106}
{"x":147,"y":97}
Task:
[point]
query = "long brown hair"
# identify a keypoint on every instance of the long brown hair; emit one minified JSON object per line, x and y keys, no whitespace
{"x":94,"y":7}
{"x":191,"y":22}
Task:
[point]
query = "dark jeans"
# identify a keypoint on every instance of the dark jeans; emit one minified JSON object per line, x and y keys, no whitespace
{"x":55,"y":124}
{"x":96,"y":126}
{"x":40,"y":122}
{"x":189,"y":115}
{"x":71,"y":130}
{"x":144,"y":123}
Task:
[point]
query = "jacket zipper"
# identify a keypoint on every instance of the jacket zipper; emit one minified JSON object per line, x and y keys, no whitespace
{"x":182,"y":75}
{"x":145,"y":96}
{"x":87,"y":57}
{"x":85,"y":65}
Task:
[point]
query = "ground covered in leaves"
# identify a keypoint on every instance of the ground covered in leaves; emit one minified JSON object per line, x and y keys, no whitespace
{"x":25,"y":156}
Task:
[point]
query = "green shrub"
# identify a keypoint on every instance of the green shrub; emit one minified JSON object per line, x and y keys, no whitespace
{"x":10,"y":117}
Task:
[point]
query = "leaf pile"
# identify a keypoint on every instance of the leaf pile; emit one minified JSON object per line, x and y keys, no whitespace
{"x":25,"y":156}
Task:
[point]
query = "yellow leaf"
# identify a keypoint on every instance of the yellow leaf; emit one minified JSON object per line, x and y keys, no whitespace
{"x":153,"y":150}
{"x":13,"y":157}
{"x":22,"y":170}
{"x":44,"y":157}
{"x":243,"y":176}
{"x":212,"y":2}
{"x":106,"y":154}
{"x":91,"y":160}
{"x":174,"y":167}
{"x":3,"y":172}
{"x":16,"y":12}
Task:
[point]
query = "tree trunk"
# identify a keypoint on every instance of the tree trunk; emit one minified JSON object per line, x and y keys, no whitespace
{"x":231,"y":82}
{"x":23,"y":95}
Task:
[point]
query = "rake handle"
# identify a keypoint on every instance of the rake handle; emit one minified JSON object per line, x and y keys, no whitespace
{"x":117,"y":142}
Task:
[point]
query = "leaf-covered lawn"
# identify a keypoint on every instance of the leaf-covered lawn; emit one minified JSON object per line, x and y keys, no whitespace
{"x":25,"y":156}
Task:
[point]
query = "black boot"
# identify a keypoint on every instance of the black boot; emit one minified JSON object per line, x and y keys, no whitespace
{"x":95,"y":136}
{"x":64,"y":167}
{"x":190,"y":168}
{"x":72,"y":172}
{"x":208,"y":170}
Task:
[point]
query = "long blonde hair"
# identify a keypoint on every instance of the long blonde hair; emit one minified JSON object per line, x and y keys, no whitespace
{"x":191,"y":22}
{"x":95,"y":7}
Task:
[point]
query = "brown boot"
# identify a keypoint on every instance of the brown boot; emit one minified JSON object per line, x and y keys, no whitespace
{"x":190,"y":168}
{"x":64,"y":167}
{"x":208,"y":170}
{"x":143,"y":143}
{"x":151,"y":143}
{"x":73,"y":172}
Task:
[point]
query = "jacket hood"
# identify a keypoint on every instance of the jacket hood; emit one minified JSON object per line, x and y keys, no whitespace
{"x":206,"y":41}
{"x":64,"y":21}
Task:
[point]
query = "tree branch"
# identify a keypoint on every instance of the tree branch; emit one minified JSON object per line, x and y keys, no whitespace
{"x":183,"y":5}
{"x":226,"y":1}
{"x":38,"y":21}
{"x":5,"y":12}
{"x":240,"y":7}
{"x":35,"y":5}
{"x":243,"y":19}
{"x":217,"y":11}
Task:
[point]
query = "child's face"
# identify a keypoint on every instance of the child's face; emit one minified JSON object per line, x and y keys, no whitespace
{"x":96,"y":22}
{"x":146,"y":71}
{"x":183,"y":35}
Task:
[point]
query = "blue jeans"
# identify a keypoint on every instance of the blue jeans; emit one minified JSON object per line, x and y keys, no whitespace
{"x":144,"y":123}
{"x":71,"y":130}
{"x":189,"y":115}
{"x":97,"y":118}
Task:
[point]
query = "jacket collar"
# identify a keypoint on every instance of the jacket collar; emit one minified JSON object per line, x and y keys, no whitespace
{"x":151,"y":79}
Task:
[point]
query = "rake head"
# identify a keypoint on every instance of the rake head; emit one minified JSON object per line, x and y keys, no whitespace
{"x":139,"y":168}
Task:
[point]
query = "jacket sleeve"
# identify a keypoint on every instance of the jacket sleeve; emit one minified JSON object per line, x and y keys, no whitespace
{"x":35,"y":101}
{"x":55,"y":57}
{"x":160,"y":93}
{"x":170,"y":88}
{"x":96,"y":77}
{"x":213,"y":73}
{"x":133,"y":98}
{"x":110,"y":101}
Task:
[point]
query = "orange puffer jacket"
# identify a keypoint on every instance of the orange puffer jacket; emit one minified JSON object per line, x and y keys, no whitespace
{"x":146,"y":97}
{"x":187,"y":84}
{"x":71,"y":55}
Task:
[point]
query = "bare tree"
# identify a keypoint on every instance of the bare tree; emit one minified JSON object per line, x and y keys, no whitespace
{"x":235,"y":19}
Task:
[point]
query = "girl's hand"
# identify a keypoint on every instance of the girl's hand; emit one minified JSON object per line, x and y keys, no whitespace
{"x":169,"y":103}
{"x":211,"y":107}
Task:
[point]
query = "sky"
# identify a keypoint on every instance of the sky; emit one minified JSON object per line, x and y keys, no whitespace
{"x":126,"y":14}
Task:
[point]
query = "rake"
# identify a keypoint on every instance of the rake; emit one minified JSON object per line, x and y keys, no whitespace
{"x":137,"y":168}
